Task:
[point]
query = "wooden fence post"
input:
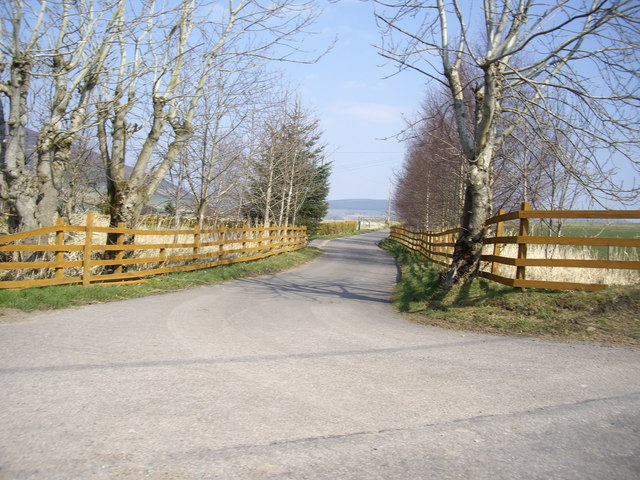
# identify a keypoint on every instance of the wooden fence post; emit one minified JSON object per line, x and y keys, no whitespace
{"x":523,"y":231}
{"x":272,"y":239}
{"x":196,"y":243}
{"x":119,"y":253}
{"x":244,"y":238}
{"x":86,"y":258}
{"x":59,"y":271}
{"x":497,"y":247}
{"x":264,"y":243}
{"x":454,"y":239}
{"x":163,"y":258}
{"x":426,"y":245}
{"x":221,"y":235}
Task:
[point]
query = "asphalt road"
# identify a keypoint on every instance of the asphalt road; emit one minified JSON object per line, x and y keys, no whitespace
{"x":305,"y":374}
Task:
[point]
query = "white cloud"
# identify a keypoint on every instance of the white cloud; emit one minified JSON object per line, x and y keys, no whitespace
{"x":371,"y":112}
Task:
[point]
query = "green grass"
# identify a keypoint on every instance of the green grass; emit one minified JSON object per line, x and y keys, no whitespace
{"x":608,"y":316}
{"x":590,"y":230}
{"x":601,"y":229}
{"x":48,"y":298}
{"x":583,"y":229}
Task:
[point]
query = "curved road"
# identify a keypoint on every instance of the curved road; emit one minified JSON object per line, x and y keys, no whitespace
{"x":305,"y":374}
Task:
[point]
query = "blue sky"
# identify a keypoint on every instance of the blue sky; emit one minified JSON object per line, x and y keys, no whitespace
{"x":356,"y":106}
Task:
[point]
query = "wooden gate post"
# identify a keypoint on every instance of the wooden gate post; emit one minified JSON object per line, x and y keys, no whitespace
{"x":86,"y":257}
{"x":523,"y":231}
{"x":497,"y":247}
{"x":59,"y":271}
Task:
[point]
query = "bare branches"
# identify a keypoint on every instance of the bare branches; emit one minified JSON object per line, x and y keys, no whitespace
{"x":573,"y":63}
{"x":239,"y":36}
{"x":135,"y":71}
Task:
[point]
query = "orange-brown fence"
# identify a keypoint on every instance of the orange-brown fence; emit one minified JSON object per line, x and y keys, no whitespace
{"x":438,"y":247}
{"x":65,"y":254}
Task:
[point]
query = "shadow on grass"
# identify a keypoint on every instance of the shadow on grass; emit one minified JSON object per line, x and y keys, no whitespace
{"x":420,"y":286}
{"x":606,"y":316}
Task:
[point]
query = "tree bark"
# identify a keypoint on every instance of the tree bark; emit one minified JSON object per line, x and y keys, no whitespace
{"x":468,"y":248}
{"x":21,"y":186}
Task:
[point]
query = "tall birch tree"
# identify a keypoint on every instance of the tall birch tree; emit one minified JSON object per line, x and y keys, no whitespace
{"x":582,"y":52}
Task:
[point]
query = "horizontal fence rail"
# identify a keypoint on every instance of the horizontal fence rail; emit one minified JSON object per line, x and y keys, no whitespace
{"x":438,"y":247}
{"x":67,"y":254}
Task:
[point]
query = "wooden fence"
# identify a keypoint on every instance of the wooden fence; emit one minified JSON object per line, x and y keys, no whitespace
{"x":66,"y":254}
{"x":438,"y":246}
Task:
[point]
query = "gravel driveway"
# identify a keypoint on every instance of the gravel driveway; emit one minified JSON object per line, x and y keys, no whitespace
{"x":305,"y":374}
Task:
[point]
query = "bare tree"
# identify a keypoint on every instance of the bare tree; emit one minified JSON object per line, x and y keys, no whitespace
{"x":584,"y":53}
{"x":50,"y":55}
{"x":431,"y":184}
{"x":216,"y":158}
{"x":151,"y":99}
{"x":539,"y":166}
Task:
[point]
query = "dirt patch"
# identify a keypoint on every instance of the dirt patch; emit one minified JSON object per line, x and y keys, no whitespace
{"x":13,"y":315}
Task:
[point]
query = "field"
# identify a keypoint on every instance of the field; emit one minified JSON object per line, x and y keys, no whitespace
{"x":590,"y":230}
{"x":576,"y":229}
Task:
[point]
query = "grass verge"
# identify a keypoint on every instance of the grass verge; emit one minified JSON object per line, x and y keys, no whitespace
{"x":609,"y":317}
{"x":48,"y":298}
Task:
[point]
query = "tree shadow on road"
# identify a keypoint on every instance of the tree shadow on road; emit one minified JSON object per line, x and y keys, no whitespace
{"x":316,"y":291}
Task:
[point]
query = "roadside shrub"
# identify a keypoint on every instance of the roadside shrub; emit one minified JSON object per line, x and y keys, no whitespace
{"x":332,"y":228}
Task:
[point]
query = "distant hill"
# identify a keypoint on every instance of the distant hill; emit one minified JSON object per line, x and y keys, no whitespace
{"x":354,"y":208}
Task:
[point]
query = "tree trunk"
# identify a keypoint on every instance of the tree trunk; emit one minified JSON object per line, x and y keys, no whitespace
{"x":267,"y":202}
{"x":201,"y":212}
{"x":20,"y":185}
{"x":477,"y":208}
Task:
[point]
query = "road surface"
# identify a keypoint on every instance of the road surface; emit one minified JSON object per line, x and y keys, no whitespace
{"x":305,"y":374}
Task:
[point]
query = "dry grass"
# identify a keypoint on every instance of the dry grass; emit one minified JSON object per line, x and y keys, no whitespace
{"x":234,"y":240}
{"x":565,"y":274}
